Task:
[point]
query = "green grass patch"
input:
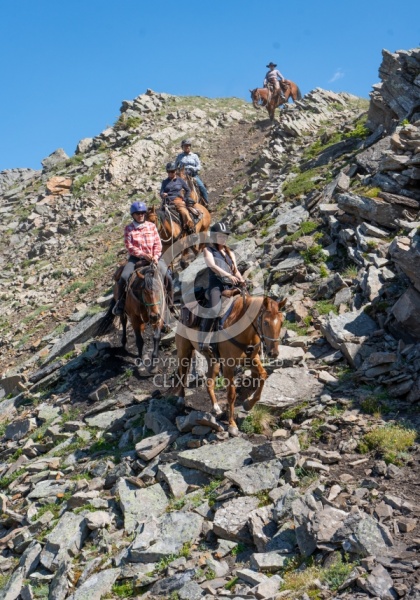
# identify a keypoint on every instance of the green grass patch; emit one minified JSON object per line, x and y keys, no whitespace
{"x":323,"y":307}
{"x":231,"y":584}
{"x":390,"y":442}
{"x":6,"y":481}
{"x":210,"y":491}
{"x":125,"y":123}
{"x":124,"y":589}
{"x":259,"y":420}
{"x":294,"y":411}
{"x":303,"y":183}
{"x":313,"y":255}
{"x":38,"y":311}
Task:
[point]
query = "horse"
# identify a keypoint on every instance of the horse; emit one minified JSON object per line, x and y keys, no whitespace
{"x":194,"y":189}
{"x":145,"y":303}
{"x":271,"y":99}
{"x":253,"y":321}
{"x":169,"y":226}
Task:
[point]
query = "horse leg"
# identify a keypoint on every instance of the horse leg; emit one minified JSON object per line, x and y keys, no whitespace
{"x":228,"y":373}
{"x":123,"y":319}
{"x":184,"y":350}
{"x":258,"y":374}
{"x":138,"y":327}
{"x":157,"y":331}
{"x":212,"y":373}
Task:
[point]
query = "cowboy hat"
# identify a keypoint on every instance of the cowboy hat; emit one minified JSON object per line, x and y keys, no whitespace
{"x":271,"y":65}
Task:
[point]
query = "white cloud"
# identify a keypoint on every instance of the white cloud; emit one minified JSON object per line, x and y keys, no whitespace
{"x":337,"y":75}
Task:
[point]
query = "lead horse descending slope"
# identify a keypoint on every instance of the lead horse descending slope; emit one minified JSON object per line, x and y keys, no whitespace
{"x":253,"y":321}
{"x":271,"y":99}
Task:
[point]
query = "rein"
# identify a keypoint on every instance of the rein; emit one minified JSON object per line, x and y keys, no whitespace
{"x":249,"y":349}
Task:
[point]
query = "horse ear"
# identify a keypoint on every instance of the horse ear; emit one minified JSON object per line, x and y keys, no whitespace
{"x":282,"y":303}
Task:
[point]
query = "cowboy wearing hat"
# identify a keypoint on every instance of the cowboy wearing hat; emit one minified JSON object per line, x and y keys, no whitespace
{"x":273,"y":78}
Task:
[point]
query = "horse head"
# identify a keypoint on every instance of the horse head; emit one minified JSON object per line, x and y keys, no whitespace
{"x":271,"y":320}
{"x":149,"y":291}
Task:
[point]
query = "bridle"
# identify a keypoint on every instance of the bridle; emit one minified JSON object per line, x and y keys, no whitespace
{"x":259,"y":326}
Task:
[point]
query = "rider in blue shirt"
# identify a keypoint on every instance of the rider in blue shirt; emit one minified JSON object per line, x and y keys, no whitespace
{"x":192,"y":165}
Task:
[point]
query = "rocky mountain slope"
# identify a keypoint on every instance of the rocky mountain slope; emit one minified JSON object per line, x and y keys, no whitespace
{"x":108,"y":488}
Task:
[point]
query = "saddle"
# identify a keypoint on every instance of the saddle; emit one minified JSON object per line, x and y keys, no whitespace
{"x":190,"y":318}
{"x":196,"y":215}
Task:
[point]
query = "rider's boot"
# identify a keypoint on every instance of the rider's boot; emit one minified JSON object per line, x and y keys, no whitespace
{"x":205,"y":328}
{"x":118,"y":309}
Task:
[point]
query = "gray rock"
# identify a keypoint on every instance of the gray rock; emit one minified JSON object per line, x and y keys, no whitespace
{"x":76,"y":335}
{"x":140,"y":505}
{"x":256,"y":478}
{"x":371,"y":209}
{"x":19,"y":429}
{"x":268,"y":589}
{"x":152,"y":446}
{"x":98,"y":519}
{"x":378,"y":583}
{"x":288,"y":386}
{"x":164,"y":587}
{"x":105,"y":420}
{"x":268,"y":561}
{"x":348,"y":332}
{"x":179,"y":478}
{"x":165,"y":536}
{"x":197,"y":417}
{"x":49,"y":488}
{"x":230,"y":521}
{"x":59,"y":585}
{"x":219,"y":458}
{"x":57,"y":157}
{"x":191,"y":591}
{"x":276,"y":449}
{"x":97,"y":586}
{"x":407,"y":312}
{"x":66,"y":539}
{"x":13,"y":587}
{"x":360,"y":534}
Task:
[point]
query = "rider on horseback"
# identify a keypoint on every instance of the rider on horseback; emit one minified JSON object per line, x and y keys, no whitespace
{"x":142,"y":241}
{"x":273,"y":78}
{"x":170,"y":191}
{"x":192,"y":165}
{"x":223,"y":274}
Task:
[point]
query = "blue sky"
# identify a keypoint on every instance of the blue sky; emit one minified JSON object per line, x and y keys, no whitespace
{"x":66,"y":65}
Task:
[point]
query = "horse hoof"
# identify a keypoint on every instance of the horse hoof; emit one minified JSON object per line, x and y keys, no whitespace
{"x":247,"y":405}
{"x":217,"y":410}
{"x":233,"y":431}
{"x":183,"y":264}
{"x":180,"y":402}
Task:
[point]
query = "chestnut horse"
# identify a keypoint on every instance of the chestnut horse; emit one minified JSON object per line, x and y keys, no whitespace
{"x":251,"y":322}
{"x":271,"y":99}
{"x":171,"y":231}
{"x":145,"y":303}
{"x":195,"y":191}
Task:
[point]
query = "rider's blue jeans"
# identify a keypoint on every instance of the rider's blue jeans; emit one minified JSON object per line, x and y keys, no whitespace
{"x":202,"y":188}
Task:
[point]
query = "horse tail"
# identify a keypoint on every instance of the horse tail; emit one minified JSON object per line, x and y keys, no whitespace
{"x":106,"y":322}
{"x":298,"y":94}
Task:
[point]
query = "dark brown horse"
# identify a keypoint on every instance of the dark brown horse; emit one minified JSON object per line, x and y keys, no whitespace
{"x":271,"y":99}
{"x":253,"y":321}
{"x":145,"y":303}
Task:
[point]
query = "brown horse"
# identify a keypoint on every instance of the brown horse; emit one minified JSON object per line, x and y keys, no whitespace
{"x":145,"y":303}
{"x":171,"y":230}
{"x":195,"y":192}
{"x":271,"y":99}
{"x":251,"y":322}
